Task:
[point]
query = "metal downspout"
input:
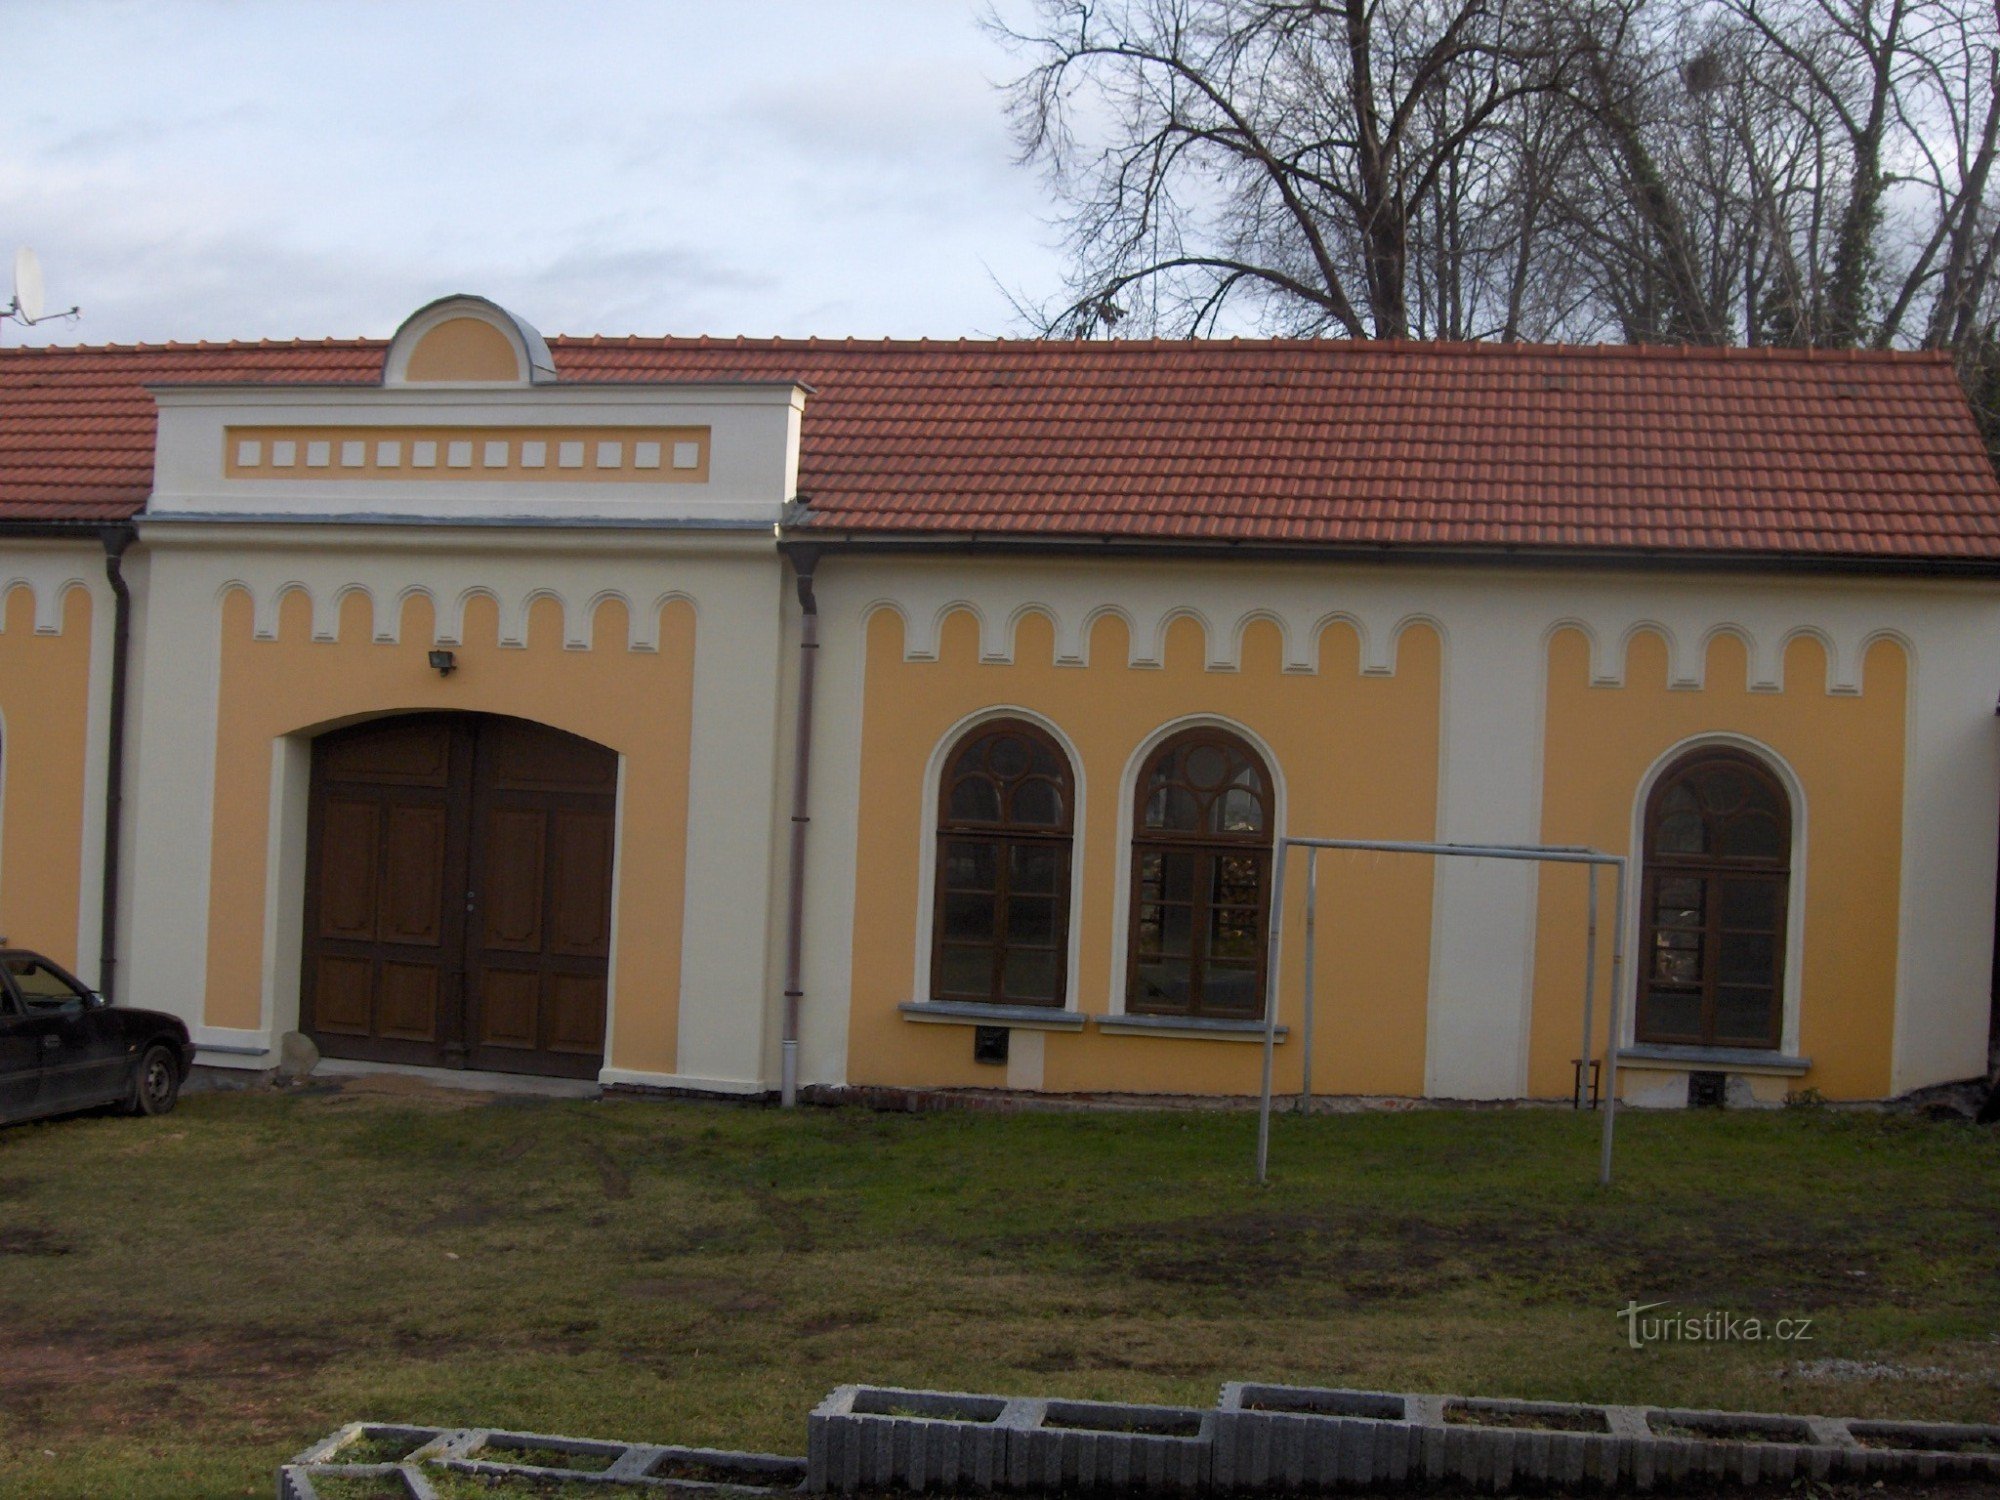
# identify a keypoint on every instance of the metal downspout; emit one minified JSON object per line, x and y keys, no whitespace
{"x":795,"y":915}
{"x":116,"y":540}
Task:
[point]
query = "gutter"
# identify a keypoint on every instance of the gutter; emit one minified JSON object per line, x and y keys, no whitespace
{"x":116,"y":539}
{"x":997,"y":544}
{"x":55,"y":531}
{"x":803,"y":561}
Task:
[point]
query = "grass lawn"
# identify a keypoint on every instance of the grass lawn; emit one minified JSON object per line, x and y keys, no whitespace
{"x":185,"y":1302}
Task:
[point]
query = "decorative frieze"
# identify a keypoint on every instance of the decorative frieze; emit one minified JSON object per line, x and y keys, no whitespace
{"x":569,"y":455}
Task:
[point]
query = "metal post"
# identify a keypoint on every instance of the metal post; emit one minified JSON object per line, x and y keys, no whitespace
{"x":1312,"y":908}
{"x":1617,"y":1025}
{"x":1271,"y":1009}
{"x":1589,"y":984}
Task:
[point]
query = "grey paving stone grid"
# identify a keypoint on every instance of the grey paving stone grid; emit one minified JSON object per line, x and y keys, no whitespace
{"x":1258,"y":1439}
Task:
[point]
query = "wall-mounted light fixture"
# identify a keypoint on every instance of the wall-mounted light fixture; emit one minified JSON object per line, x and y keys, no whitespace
{"x":445,"y":663}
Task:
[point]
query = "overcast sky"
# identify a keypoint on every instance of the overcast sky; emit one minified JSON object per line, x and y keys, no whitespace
{"x":217,"y":169}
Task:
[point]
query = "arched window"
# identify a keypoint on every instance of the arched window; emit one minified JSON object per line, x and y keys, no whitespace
{"x":1005,"y":814}
{"x":1201,"y":870}
{"x":1718,"y":869}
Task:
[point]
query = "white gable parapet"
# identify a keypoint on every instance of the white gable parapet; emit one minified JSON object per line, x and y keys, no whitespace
{"x":473,"y":423}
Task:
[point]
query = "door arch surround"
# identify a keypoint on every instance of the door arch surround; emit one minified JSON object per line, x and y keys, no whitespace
{"x":458,"y":895}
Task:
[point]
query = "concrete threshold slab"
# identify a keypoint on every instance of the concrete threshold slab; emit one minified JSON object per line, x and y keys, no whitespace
{"x":458,"y":1078}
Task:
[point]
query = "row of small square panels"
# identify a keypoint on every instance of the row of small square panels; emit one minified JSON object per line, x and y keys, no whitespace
{"x":458,"y":455}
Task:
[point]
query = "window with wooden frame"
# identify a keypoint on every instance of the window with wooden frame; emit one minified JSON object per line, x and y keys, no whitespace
{"x":1713,"y":904}
{"x":1006,"y":810}
{"x":1201,"y":873}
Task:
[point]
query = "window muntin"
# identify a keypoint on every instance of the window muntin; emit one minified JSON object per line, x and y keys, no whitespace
{"x":1000,"y":927}
{"x":1201,"y":868}
{"x":1713,"y":904}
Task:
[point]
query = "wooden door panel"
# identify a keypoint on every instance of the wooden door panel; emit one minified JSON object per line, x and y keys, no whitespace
{"x":580,"y":918}
{"x":509,"y":1008}
{"x":527,"y":757}
{"x":413,"y":893}
{"x":576,"y":1013}
{"x":347,"y":870}
{"x":343,"y":991}
{"x":392,"y":752}
{"x":407,"y":1002}
{"x":513,"y":856}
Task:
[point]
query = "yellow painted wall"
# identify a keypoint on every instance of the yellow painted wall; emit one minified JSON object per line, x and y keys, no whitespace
{"x":463,"y":349}
{"x":45,"y":705}
{"x":1357,"y":756}
{"x":1847,"y":751}
{"x":635,"y":702}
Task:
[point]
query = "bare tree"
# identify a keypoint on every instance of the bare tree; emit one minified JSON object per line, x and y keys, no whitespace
{"x":1830,"y":158}
{"x":1287,"y":156}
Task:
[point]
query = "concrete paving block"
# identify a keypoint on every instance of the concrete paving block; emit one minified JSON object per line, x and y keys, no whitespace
{"x":871,"y":1437}
{"x":1431,"y":1443}
{"x":866,"y":1437}
{"x":1307,"y":1438}
{"x":1258,"y":1439}
{"x":295,"y":1481}
{"x":722,"y":1474}
{"x":1153,"y":1449}
{"x":1533,"y":1452}
{"x":497,"y":1445}
{"x":421,"y":1440}
{"x":1644,"y":1465}
{"x":726,"y":1468}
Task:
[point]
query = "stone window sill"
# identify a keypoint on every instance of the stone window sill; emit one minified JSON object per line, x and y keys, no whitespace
{"x":1015,"y":1017}
{"x":1195,"y":1028}
{"x":1713,"y":1059}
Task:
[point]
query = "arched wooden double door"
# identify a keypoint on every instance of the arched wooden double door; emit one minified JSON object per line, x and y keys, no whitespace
{"x":458,"y":894}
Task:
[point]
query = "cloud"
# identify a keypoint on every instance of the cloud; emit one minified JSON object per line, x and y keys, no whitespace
{"x":226,"y":171}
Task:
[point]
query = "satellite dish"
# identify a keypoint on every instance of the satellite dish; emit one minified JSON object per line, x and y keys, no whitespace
{"x":28,"y":299}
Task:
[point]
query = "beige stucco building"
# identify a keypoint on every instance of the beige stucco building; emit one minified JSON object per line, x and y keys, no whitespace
{"x":715,"y":716}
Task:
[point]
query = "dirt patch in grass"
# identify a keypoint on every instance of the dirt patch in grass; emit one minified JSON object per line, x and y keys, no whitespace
{"x":61,"y":1389}
{"x":1363,"y":1258}
{"x":469,"y":1215}
{"x":1064,"y":1359}
{"x":614,"y":1179}
{"x":402,"y":1088}
{"x":712,"y":1295}
{"x":836,"y":1323}
{"x":18,"y":1240}
{"x":795,"y":1231}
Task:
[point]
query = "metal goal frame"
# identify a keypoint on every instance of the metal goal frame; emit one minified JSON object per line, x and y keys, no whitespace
{"x":1561,"y":854}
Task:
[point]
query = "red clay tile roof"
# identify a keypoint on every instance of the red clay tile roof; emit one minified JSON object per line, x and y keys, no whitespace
{"x":1349,"y":444}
